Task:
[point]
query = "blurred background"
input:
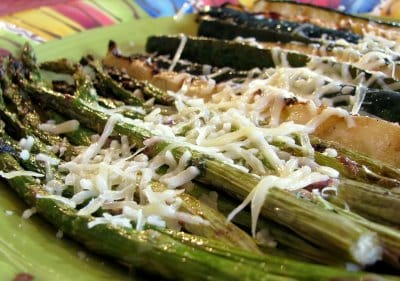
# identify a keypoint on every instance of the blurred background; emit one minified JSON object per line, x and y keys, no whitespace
{"x":38,"y":21}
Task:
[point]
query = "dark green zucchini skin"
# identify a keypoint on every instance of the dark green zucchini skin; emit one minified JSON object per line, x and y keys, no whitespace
{"x":221,"y":29}
{"x":376,"y":103}
{"x":220,"y":53}
{"x":383,"y":104}
{"x":231,"y":23}
{"x":218,"y":74}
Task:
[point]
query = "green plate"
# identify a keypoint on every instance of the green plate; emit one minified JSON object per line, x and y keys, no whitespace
{"x":130,"y":36}
{"x":30,"y":245}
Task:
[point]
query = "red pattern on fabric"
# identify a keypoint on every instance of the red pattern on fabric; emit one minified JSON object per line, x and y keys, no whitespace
{"x":99,"y":15}
{"x":12,"y":6}
{"x":87,"y":16}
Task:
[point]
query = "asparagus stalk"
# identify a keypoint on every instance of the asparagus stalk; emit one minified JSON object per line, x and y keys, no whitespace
{"x":84,"y":86}
{"x":286,"y":239}
{"x":59,"y":66}
{"x":81,"y":136}
{"x":106,"y":85}
{"x":88,"y":113}
{"x":218,"y":228}
{"x":28,"y":58}
{"x":109,"y":103}
{"x":18,"y":130}
{"x":390,"y":236}
{"x":371,"y":201}
{"x":23,"y":115}
{"x":358,"y":166}
{"x":351,"y":164}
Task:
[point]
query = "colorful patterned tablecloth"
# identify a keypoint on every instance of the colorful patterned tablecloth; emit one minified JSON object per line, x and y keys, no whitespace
{"x":38,"y":21}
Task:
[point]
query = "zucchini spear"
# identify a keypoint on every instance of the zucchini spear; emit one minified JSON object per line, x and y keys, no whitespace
{"x":334,"y":19}
{"x":265,"y":29}
{"x":148,"y":89}
{"x":244,"y":57}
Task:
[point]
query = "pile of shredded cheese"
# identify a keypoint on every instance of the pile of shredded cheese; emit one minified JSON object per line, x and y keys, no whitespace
{"x":240,"y":125}
{"x":120,"y":183}
{"x":373,"y":53}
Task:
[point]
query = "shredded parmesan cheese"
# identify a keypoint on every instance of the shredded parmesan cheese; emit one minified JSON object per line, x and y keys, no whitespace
{"x":21,"y":173}
{"x":61,"y":128}
{"x":178,"y":52}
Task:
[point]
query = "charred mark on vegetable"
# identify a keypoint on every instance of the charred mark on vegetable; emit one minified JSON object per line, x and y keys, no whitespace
{"x":200,"y":164}
{"x":290,"y":100}
{"x":353,"y":166}
{"x":113,"y":49}
{"x":319,"y":185}
{"x":319,"y":147}
{"x":63,"y":87}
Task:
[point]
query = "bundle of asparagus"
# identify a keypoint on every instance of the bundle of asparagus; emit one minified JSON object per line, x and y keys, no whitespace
{"x":155,"y":245}
{"x":128,"y":193}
